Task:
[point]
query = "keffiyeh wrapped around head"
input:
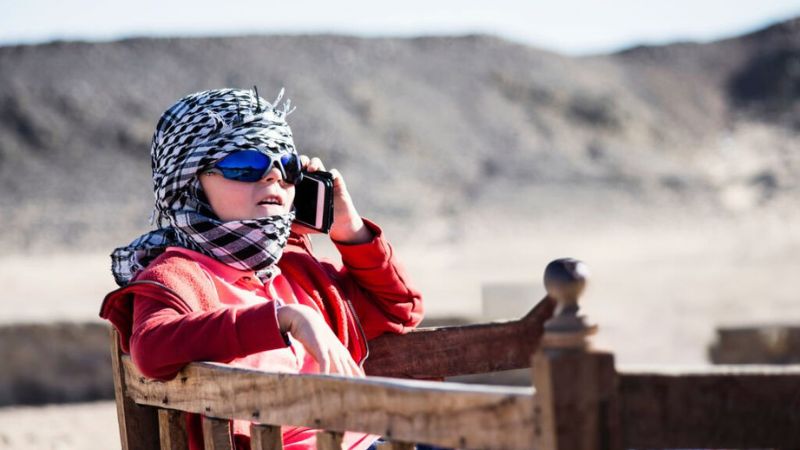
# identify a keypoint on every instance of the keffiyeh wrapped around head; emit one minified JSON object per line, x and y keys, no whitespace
{"x":191,"y":135}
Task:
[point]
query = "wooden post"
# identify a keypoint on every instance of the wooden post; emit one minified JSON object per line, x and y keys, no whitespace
{"x":138,"y":425}
{"x":329,"y":440}
{"x":575,"y":403}
{"x":266,"y":437}
{"x":172,"y":429}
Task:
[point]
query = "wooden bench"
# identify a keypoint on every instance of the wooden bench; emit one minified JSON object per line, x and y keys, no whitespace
{"x":580,"y":400}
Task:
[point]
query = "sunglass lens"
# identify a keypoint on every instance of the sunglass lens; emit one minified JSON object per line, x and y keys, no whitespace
{"x":292,"y":169}
{"x":246,"y":165}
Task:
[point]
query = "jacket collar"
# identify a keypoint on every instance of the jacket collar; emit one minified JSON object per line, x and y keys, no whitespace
{"x":229,"y":274}
{"x":300,"y":240}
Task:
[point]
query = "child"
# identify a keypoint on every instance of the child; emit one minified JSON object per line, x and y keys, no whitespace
{"x":227,"y":277}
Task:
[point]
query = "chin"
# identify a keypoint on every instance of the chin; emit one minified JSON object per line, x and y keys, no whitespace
{"x":271,"y":210}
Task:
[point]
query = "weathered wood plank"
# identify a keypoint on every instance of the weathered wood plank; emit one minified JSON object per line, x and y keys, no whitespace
{"x":329,"y":440}
{"x":266,"y":437}
{"x":396,"y":445}
{"x":719,"y":407}
{"x":217,"y":434}
{"x":172,"y":429}
{"x":430,"y":353}
{"x":445,"y":414}
{"x":138,"y":425}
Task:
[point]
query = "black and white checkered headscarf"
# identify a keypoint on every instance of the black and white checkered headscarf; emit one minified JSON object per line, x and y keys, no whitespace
{"x":191,"y":135}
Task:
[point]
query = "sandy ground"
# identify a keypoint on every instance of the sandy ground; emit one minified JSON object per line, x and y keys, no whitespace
{"x":88,"y":426}
{"x":657,"y":293}
{"x":659,"y":289}
{"x":45,"y":288}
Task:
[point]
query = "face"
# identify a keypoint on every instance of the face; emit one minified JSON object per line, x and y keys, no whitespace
{"x":239,"y":200}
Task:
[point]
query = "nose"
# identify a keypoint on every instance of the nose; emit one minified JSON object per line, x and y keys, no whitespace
{"x":273,"y":175}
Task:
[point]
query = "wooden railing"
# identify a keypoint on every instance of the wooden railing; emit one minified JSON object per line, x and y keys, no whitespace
{"x":580,"y":400}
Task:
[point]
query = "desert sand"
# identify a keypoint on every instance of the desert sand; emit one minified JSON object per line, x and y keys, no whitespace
{"x":87,"y":426}
{"x":660,"y":283}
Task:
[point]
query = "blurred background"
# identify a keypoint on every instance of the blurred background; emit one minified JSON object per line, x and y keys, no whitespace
{"x":658,"y":142}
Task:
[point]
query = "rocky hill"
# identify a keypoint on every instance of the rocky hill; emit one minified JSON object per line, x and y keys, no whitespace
{"x":429,"y":128}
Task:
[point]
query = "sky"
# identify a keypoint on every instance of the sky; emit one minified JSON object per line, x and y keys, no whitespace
{"x":568,"y":26}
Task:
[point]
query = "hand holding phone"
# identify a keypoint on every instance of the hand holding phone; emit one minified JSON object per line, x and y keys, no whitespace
{"x":313,"y":201}
{"x":345,"y":224}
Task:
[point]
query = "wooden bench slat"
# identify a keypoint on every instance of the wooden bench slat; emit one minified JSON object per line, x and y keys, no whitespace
{"x":138,"y":425}
{"x":217,"y":434}
{"x":172,"y":430}
{"x":396,"y":445}
{"x":266,"y":437}
{"x":433,"y":353}
{"x":329,"y":440}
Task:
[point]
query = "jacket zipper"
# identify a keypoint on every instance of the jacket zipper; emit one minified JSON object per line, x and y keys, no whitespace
{"x":305,"y":245}
{"x":360,"y":331}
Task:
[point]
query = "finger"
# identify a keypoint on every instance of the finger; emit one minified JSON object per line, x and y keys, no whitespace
{"x":357,"y":371}
{"x":341,"y":368}
{"x":324,"y":364}
{"x":350,"y":366}
{"x":315,"y":165}
{"x":353,"y":368}
{"x":304,"y":160}
{"x":344,"y":366}
{"x":338,"y":364}
{"x":337,"y":178}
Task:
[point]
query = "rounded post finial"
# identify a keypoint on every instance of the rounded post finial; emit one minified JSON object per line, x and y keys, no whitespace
{"x":565,"y":280}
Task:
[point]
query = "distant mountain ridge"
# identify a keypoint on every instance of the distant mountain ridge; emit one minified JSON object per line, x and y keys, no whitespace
{"x":423,"y":127}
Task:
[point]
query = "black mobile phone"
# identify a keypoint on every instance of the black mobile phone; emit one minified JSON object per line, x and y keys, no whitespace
{"x":313,"y":201}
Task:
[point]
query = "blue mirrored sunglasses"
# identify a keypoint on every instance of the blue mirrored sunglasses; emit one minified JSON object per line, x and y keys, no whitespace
{"x":252,"y":165}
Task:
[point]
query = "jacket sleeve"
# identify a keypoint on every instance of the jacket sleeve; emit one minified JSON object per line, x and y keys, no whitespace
{"x":378,"y":286}
{"x":166,"y":337}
